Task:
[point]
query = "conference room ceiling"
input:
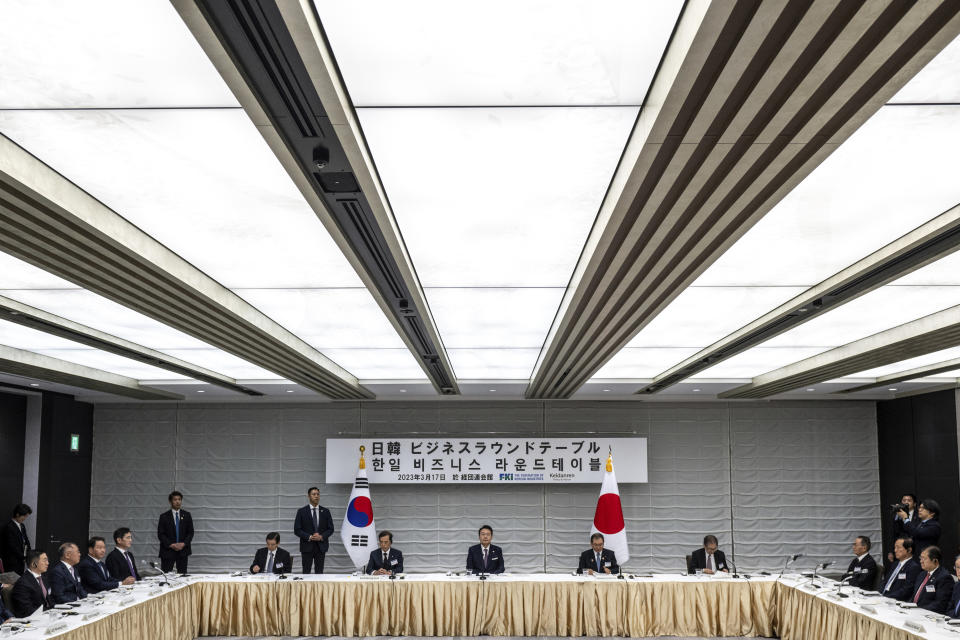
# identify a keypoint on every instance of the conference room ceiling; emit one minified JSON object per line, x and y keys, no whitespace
{"x":495,"y":142}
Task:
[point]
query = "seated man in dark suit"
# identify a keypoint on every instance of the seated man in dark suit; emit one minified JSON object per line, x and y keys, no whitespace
{"x":485,"y":557}
{"x":64,"y":582}
{"x":386,"y":560}
{"x":900,"y":578}
{"x":934,"y":585}
{"x":120,"y":563}
{"x":954,"y":610}
{"x":94,"y":575}
{"x":862,"y":571}
{"x":709,"y":558}
{"x":31,"y":591}
{"x":596,"y":559}
{"x":271,"y":558}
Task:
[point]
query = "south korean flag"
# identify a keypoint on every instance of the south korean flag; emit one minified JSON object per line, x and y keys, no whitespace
{"x":358,"y":531}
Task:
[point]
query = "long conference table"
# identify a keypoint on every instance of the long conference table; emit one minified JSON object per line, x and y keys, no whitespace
{"x":505,"y":605}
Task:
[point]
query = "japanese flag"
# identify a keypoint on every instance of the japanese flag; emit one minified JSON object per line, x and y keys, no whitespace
{"x":358,"y":532}
{"x":608,"y":518}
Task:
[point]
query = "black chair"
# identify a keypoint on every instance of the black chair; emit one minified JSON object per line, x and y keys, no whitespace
{"x":690,"y":564}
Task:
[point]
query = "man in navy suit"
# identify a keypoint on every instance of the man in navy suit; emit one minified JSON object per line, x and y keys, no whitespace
{"x":94,"y":575}
{"x":64,"y":581}
{"x":900,"y":577}
{"x":934,"y":585}
{"x":175,"y":531}
{"x":32,"y":590}
{"x":863,"y":568}
{"x":596,"y":559}
{"x":485,"y":557}
{"x":120,"y":563}
{"x":954,"y":610}
{"x":709,"y":557}
{"x":313,"y":526}
{"x":925,"y":528}
{"x":271,"y":558}
{"x":386,"y":560}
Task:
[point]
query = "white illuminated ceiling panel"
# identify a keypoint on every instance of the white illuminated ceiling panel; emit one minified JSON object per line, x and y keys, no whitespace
{"x":540,"y":52}
{"x":202,"y":182}
{"x":892,"y":175}
{"x":700,"y":316}
{"x":496,"y":197}
{"x":490,"y":318}
{"x":59,"y":54}
{"x":377,"y":364}
{"x":493,"y":364}
{"x":939,"y":81}
{"x":17,"y":274}
{"x":647,"y":362}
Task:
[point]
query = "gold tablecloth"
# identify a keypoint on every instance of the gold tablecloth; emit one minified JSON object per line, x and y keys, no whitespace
{"x":496,"y":608}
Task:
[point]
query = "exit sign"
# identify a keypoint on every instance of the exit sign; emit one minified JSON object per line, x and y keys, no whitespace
{"x":74,"y":442}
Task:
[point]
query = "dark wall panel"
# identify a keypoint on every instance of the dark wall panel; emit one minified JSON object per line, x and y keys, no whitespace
{"x":917,"y":439}
{"x":13,"y":421}
{"x":63,"y":512}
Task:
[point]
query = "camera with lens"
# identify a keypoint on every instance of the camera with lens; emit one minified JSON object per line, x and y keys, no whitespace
{"x":899,"y":507}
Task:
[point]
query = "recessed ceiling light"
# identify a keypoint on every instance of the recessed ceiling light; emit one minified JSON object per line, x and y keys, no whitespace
{"x":811,"y":389}
{"x":289,"y":390}
{"x":696,"y":390}
{"x":200,"y":391}
{"x":605,"y":390}
{"x":492,"y":390}
{"x":403,"y":390}
{"x":892,"y":389}
{"x":34,"y":384}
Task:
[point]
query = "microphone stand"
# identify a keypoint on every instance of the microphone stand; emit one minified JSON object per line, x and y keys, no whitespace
{"x":165,"y":581}
{"x":841,"y":594}
{"x":790,"y":560}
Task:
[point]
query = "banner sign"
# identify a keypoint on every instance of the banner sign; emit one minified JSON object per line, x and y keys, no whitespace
{"x":486,"y":460}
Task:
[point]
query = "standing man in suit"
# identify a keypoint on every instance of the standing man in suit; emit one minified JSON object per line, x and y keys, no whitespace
{"x":862,"y":569}
{"x":64,"y":581}
{"x":900,"y":577}
{"x":175,"y":531}
{"x":313,"y":526}
{"x":14,"y":543}
{"x":385,"y":561}
{"x":925,"y":528}
{"x":934,"y":585}
{"x":94,"y":575}
{"x":485,"y":557}
{"x":120,"y":563}
{"x":32,"y":590}
{"x":709,"y":558}
{"x":596,"y":559}
{"x":954,"y":610}
{"x":271,"y":558}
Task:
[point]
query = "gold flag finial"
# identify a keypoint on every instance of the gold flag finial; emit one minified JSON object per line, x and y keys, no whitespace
{"x":610,"y":462}
{"x":363,"y":464}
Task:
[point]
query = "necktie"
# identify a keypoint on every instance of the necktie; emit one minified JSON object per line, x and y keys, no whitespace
{"x":270,"y":563}
{"x":103,"y":571}
{"x":385,"y":559}
{"x":893,"y":577}
{"x":130,"y":564}
{"x":43,"y":588}
{"x":710,"y":562}
{"x":316,"y":521}
{"x":176,"y":524}
{"x":920,"y":590}
{"x":485,"y":557}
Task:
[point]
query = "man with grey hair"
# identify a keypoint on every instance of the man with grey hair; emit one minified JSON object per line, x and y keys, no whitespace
{"x":64,"y":582}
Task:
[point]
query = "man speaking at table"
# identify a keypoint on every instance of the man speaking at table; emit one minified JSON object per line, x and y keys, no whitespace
{"x":271,"y":558}
{"x":596,"y":559}
{"x":485,"y":557}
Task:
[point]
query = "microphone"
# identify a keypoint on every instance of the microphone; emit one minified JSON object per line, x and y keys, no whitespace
{"x":165,"y":581}
{"x":790,"y":560}
{"x":840,"y":593}
{"x":733,"y":561}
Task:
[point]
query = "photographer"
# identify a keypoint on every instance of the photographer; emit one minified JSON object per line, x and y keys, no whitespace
{"x":925,"y":528}
{"x":908,"y":505}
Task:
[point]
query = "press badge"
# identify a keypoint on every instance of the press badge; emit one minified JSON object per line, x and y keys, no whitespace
{"x":394,"y":561}
{"x":902,"y":576}
{"x":607,"y":564}
{"x":931,"y":588}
